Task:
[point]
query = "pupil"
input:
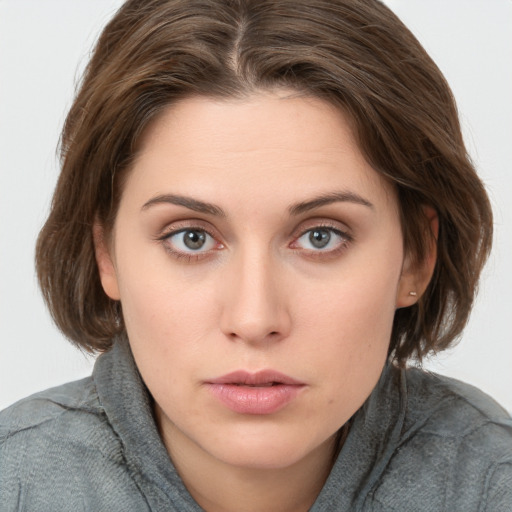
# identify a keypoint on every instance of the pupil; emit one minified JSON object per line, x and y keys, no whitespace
{"x":319,"y":238}
{"x":194,"y":239}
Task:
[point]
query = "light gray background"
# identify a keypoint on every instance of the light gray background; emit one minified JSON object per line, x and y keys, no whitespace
{"x":44,"y":44}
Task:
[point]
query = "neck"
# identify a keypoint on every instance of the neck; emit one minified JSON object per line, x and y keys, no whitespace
{"x":274,"y":490}
{"x":221,"y":487}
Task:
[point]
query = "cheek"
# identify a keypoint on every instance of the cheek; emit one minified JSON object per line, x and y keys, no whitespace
{"x":356,"y":308}
{"x":167,"y":332}
{"x":352,"y":341}
{"x":350,"y":356}
{"x":351,"y":328}
{"x":165,"y":310}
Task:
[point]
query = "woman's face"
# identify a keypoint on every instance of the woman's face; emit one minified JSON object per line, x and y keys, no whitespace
{"x":259,"y":262}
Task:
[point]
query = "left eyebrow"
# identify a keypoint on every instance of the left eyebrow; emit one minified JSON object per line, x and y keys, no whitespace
{"x":325,"y":199}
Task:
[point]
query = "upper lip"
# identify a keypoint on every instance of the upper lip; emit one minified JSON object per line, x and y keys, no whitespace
{"x":261,"y":378}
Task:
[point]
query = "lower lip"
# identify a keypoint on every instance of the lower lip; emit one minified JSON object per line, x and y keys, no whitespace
{"x":255,"y":400}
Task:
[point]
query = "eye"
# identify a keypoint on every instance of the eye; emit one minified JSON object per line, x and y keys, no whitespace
{"x":321,"y":239}
{"x":190,"y":241}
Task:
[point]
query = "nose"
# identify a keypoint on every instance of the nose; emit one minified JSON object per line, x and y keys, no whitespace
{"x":255,"y":308}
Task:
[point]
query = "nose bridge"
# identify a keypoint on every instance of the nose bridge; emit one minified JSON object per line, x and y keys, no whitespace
{"x":256,"y":308}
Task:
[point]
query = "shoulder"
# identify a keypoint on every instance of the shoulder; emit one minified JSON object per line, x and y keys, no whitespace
{"x":51,"y":438}
{"x":60,"y":413}
{"x":454,"y":449}
{"x":69,"y":415}
{"x":448,"y":408}
{"x":48,"y":405}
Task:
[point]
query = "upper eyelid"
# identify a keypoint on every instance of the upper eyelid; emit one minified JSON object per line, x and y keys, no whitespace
{"x":188,"y":225}
{"x":321,"y":226}
{"x":327,"y":228}
{"x":337,"y":226}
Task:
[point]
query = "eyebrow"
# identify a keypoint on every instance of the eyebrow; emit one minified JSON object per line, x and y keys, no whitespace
{"x":295,"y":209}
{"x":325,"y":199}
{"x":187,"y":202}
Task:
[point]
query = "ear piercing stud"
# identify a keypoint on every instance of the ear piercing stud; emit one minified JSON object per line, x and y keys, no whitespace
{"x":413,"y":294}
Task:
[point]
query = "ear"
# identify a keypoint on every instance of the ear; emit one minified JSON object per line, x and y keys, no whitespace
{"x":104,"y":261}
{"x":416,"y":277}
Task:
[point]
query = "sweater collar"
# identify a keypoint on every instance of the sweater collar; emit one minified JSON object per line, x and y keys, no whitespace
{"x":128,"y":406}
{"x":376,"y":430}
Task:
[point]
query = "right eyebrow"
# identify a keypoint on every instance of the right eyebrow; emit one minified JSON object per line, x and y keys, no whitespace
{"x":187,"y":202}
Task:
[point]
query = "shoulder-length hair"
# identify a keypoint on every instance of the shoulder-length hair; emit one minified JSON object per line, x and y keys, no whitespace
{"x":355,"y":54}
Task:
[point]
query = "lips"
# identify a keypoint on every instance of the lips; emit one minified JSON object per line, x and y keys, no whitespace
{"x":264,"y":392}
{"x":260,"y":379}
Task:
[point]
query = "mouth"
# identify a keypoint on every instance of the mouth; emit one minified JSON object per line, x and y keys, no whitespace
{"x":264,"y":378}
{"x":261,"y":393}
{"x":265,"y":385}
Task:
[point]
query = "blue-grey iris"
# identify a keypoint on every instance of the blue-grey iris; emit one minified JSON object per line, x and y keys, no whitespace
{"x":194,"y":239}
{"x":319,"y":238}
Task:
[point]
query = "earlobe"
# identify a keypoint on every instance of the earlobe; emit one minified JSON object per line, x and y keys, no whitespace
{"x":416,"y":277}
{"x":105,"y":264}
{"x":409,"y":291}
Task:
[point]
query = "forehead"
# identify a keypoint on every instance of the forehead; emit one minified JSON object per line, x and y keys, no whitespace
{"x":276,"y":142}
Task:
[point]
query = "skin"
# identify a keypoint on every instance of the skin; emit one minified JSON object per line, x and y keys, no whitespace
{"x":258,"y":295}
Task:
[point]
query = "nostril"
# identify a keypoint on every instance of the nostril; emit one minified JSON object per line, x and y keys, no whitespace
{"x":270,"y":335}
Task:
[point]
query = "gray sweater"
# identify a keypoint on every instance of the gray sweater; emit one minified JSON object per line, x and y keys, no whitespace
{"x":420,"y":443}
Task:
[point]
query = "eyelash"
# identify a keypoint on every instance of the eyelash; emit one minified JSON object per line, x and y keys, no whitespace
{"x":344,"y":242}
{"x":192,"y":256}
{"x":186,"y":256}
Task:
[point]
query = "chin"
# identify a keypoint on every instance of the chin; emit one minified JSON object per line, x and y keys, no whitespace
{"x":268,"y":451}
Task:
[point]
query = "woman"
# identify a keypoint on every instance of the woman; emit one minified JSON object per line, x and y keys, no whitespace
{"x":265,"y":211}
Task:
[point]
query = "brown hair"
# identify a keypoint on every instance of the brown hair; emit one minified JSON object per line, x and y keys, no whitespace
{"x":355,"y":54}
